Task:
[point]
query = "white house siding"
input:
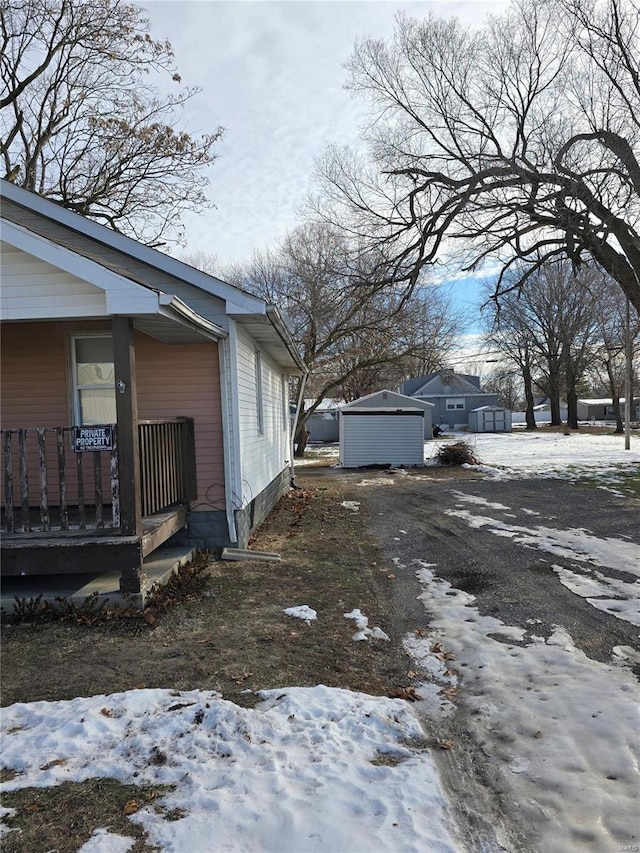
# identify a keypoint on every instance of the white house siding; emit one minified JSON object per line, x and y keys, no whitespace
{"x":35,"y":289}
{"x":381,"y":438}
{"x":207,"y":305}
{"x":264,"y":454}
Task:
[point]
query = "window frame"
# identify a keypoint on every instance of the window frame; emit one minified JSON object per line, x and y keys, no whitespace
{"x":456,"y":404}
{"x":76,"y":388}
{"x":259,"y":391}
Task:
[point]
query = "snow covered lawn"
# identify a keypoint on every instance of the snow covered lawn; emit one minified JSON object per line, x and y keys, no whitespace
{"x":309,"y":769}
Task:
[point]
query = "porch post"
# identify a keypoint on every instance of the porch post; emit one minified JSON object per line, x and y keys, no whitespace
{"x":128,"y":442}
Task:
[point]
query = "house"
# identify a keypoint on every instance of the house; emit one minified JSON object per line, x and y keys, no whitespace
{"x":453,"y":395}
{"x":384,"y":428}
{"x":141,"y":399}
{"x":602,"y":409}
{"x":322,"y":424}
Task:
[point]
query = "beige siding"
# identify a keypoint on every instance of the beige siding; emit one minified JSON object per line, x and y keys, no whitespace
{"x":35,"y":392}
{"x":173,"y":381}
{"x":184,"y":381}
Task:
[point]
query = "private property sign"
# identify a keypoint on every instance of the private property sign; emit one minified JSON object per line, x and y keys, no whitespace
{"x":92,"y":438}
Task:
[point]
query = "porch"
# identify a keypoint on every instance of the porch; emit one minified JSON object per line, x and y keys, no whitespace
{"x":72,"y":505}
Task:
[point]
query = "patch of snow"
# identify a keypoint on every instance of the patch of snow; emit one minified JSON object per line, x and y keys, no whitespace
{"x":352,"y":505}
{"x":103,"y":841}
{"x":295,"y":773}
{"x":556,"y":726}
{"x":362,"y":623}
{"x":302,"y":611}
{"x":598,"y":589}
{"x":476,"y":499}
{"x":5,"y":812}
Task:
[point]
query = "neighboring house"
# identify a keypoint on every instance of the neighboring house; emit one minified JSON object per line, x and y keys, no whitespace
{"x":323,"y":424}
{"x":602,"y":409}
{"x":384,"y":428}
{"x":452,"y":394}
{"x":184,"y":376}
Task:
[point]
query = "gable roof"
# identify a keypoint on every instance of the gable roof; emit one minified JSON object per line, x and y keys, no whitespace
{"x":392,"y":398}
{"x":430,"y":384}
{"x":132,"y":261}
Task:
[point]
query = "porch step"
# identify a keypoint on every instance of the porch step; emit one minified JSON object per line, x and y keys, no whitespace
{"x":158,"y":568}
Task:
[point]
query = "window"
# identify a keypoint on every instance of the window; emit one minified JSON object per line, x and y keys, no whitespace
{"x":259,"y":400}
{"x":455,"y":405}
{"x":94,"y":393}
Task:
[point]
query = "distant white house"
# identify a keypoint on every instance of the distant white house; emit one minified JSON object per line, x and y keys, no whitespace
{"x":323,"y":424}
{"x":601,"y":409}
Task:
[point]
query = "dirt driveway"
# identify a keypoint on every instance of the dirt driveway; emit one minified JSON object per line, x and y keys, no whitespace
{"x":510,"y":574}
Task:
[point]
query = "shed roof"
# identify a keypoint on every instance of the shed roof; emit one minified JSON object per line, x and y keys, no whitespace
{"x":394,"y":398}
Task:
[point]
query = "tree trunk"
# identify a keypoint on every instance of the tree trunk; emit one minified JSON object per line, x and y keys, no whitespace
{"x":554,"y":400}
{"x":572,"y":407}
{"x":528,"y":394}
{"x":615,"y":398}
{"x":300,"y":441}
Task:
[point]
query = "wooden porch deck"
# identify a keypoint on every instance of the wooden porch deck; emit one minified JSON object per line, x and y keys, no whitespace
{"x":82,"y":551}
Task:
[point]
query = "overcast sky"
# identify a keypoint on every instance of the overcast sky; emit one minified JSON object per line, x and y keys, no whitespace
{"x":272,"y":75}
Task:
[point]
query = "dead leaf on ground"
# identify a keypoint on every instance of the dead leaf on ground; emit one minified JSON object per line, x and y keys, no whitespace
{"x":449,"y":656}
{"x":55,"y":763}
{"x":391,"y":577}
{"x":239,"y":677}
{"x":421,"y":632}
{"x":437,"y":648}
{"x":449,"y":693}
{"x":106,"y":712}
{"x":407,"y":693}
{"x":131,"y":807}
{"x":444,"y":744}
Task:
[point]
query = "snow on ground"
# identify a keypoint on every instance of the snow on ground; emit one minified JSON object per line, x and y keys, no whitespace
{"x":516,"y":454}
{"x":309,"y":769}
{"x":301,"y":611}
{"x":561,"y":730}
{"x":525,"y":454}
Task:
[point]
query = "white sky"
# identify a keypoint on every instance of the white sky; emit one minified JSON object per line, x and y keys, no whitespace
{"x":272,"y":74}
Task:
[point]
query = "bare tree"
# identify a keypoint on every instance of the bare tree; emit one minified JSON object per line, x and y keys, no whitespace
{"x":509,"y":334}
{"x":354,"y":334}
{"x":518,"y":141}
{"x":82,"y":122}
{"x":550,"y":331}
{"x":613,"y":332}
{"x":507,"y":385}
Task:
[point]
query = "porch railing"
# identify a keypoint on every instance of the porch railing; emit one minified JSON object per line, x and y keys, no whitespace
{"x":75,"y":491}
{"x":167,"y":463}
{"x":51,"y":489}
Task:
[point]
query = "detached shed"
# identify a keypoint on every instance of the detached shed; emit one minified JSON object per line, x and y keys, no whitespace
{"x":490,"y":419}
{"x":384,"y":428}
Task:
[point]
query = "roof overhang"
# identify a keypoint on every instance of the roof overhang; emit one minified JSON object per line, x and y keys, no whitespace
{"x":271,"y":331}
{"x":161,"y":315}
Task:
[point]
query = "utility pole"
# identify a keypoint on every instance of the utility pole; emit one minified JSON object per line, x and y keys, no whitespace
{"x":627,"y":382}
